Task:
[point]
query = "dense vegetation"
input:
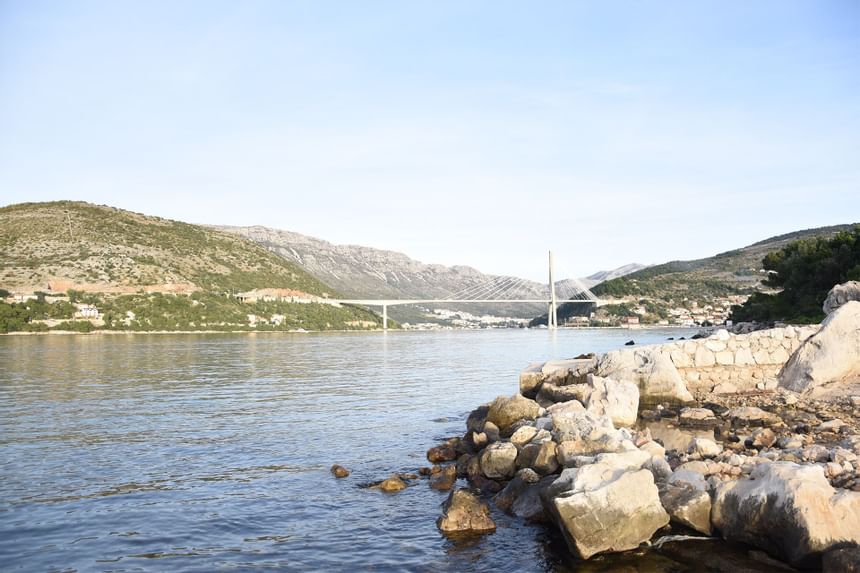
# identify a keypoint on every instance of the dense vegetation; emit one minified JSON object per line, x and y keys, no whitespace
{"x":805,"y":270}
{"x":59,"y":245}
{"x":153,"y":312}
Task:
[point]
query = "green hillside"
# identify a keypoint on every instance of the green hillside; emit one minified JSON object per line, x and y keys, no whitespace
{"x":732,"y":272}
{"x":146,"y":273}
{"x":94,"y":244}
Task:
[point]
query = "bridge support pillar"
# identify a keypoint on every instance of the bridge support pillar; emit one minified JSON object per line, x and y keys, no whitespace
{"x":384,"y":317}
{"x":551,"y":315}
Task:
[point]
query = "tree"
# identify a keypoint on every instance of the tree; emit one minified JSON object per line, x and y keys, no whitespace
{"x":805,"y":271}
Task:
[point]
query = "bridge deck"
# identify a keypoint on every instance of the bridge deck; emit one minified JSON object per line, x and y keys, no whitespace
{"x":394,"y":302}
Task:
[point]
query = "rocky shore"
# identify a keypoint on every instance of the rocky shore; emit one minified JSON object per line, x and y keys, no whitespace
{"x":750,"y":438}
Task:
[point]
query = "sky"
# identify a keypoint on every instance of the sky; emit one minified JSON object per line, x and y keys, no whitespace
{"x":457,"y":132}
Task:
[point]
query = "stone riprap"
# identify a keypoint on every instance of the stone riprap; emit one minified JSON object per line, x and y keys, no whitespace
{"x":763,"y":464}
{"x":610,"y":489}
{"x":680,"y":371}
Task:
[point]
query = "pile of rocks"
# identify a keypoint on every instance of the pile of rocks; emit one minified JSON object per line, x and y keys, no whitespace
{"x":609,"y":489}
{"x":781,"y":473}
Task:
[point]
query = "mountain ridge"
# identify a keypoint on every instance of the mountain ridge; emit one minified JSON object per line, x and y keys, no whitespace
{"x":355,"y":271}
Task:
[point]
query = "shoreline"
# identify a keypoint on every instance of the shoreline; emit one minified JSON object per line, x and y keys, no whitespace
{"x":117,"y":332}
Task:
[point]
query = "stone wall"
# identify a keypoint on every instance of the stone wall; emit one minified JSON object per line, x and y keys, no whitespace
{"x":727,"y":363}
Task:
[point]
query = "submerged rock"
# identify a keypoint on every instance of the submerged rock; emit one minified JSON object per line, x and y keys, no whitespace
{"x":444,"y":479}
{"x":463,"y":512}
{"x":339,"y":471}
{"x":789,"y":510}
{"x":392,"y":484}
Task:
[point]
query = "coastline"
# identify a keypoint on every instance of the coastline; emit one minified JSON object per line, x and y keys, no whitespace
{"x":116,"y":332}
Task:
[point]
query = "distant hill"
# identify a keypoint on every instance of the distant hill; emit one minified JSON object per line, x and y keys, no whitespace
{"x":124,"y":268}
{"x":67,"y":243}
{"x":601,"y":276}
{"x":732,"y":272}
{"x":365,"y":272}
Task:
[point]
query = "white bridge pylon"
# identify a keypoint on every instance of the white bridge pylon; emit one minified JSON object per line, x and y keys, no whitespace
{"x":500,"y":290}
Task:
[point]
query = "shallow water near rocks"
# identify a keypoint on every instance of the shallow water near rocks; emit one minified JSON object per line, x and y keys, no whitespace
{"x":203,"y":452}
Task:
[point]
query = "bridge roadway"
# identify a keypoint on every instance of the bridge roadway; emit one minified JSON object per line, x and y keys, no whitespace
{"x":394,"y":302}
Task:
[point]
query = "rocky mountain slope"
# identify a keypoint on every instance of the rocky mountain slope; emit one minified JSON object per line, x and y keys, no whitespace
{"x":64,"y":244}
{"x":601,"y":276}
{"x":365,"y":272}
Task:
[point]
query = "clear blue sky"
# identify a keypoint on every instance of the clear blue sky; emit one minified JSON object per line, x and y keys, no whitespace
{"x":480,"y":133}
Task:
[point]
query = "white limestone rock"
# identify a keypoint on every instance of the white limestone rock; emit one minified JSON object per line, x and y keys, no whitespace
{"x":650,"y":369}
{"x":840,"y":294}
{"x":601,"y":510}
{"x":618,"y":399}
{"x":830,"y":356}
{"x":788,"y":510}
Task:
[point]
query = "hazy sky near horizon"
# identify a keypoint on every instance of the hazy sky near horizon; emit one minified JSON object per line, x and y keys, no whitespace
{"x":479,"y":133}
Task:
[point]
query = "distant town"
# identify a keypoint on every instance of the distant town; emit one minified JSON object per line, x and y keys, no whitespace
{"x":625,"y":313}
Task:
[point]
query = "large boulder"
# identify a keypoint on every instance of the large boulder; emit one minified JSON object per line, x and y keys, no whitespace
{"x":603,"y":508}
{"x":462,"y":512}
{"x":653,"y":371}
{"x":580,"y":433}
{"x":499,"y":460}
{"x":831,"y":355}
{"x":618,"y":399}
{"x":505,"y":411}
{"x":841,"y":294}
{"x":789,"y":510}
{"x":687,"y":505}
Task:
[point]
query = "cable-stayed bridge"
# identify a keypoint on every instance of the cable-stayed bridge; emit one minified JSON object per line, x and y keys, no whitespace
{"x":501,"y":290}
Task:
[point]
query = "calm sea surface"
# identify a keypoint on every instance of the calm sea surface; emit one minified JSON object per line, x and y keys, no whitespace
{"x":212,"y":452}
